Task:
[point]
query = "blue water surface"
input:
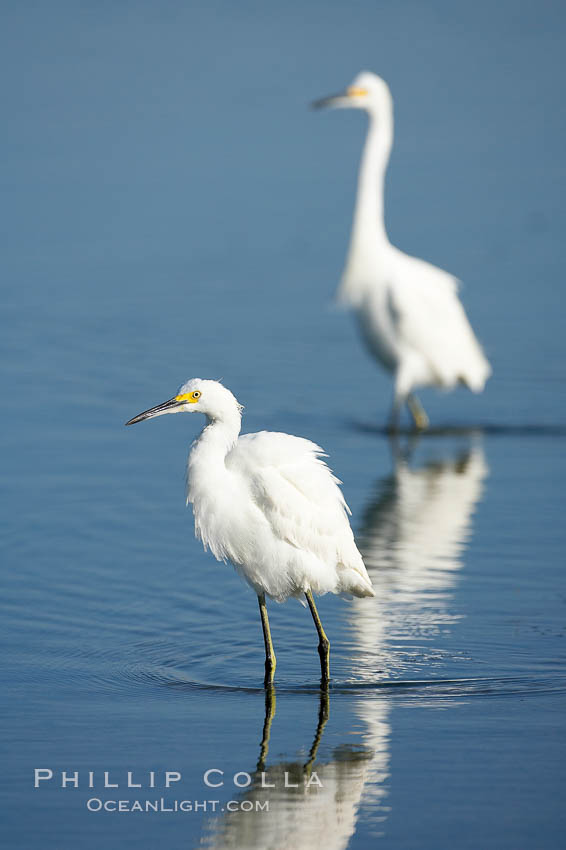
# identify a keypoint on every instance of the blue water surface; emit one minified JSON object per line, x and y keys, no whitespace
{"x":173,"y":209}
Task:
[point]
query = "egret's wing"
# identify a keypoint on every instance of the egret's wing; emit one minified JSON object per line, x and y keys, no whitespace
{"x":427,"y":313}
{"x":298,"y":495}
{"x":290,"y":483}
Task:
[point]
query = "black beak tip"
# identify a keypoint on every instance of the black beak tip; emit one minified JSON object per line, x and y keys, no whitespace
{"x":166,"y":407}
{"x":139,"y":418}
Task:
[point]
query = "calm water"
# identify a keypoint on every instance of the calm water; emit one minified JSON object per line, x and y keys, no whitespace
{"x":174,"y":210}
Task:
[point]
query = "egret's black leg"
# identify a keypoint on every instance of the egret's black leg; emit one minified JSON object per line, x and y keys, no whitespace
{"x":323,"y":642}
{"x":270,"y":660}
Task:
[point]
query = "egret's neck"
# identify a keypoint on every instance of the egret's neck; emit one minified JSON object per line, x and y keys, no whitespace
{"x":368,"y":242}
{"x":369,"y":223}
{"x":211,"y":487}
{"x":214,"y":442}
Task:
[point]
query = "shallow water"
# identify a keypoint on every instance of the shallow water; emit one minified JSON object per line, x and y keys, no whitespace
{"x":142,"y":249}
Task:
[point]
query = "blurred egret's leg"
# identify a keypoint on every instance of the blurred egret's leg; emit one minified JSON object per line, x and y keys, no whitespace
{"x":402,"y":452}
{"x":394,"y":421}
{"x":417,"y":412}
{"x":392,"y":426}
{"x":270,"y":660}
{"x":323,"y":642}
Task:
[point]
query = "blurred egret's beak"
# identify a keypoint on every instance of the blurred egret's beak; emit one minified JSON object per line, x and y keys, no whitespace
{"x":171,"y":406}
{"x":345,"y":98}
{"x":331,"y":100}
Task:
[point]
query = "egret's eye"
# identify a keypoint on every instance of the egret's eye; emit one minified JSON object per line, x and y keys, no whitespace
{"x":189,"y":397}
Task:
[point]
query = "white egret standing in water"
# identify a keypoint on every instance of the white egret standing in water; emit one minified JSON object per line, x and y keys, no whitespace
{"x":268,"y":504}
{"x":408,"y":310}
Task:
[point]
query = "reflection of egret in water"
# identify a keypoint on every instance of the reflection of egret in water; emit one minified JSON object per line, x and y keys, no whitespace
{"x":312,"y":803}
{"x":412,"y":538}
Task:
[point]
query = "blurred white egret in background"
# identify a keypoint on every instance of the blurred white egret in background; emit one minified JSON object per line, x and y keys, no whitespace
{"x":408,"y":310}
{"x":268,"y":504}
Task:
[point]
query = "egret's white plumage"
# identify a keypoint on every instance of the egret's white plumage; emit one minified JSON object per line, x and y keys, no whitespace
{"x":409,"y":312}
{"x":267,"y":503}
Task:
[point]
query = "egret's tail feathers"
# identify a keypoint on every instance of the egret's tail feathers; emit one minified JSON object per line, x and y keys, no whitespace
{"x":354,"y":583}
{"x":475,"y":379}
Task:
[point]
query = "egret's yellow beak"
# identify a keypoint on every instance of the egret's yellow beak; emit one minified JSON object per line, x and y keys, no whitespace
{"x":171,"y":406}
{"x":342,"y":99}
